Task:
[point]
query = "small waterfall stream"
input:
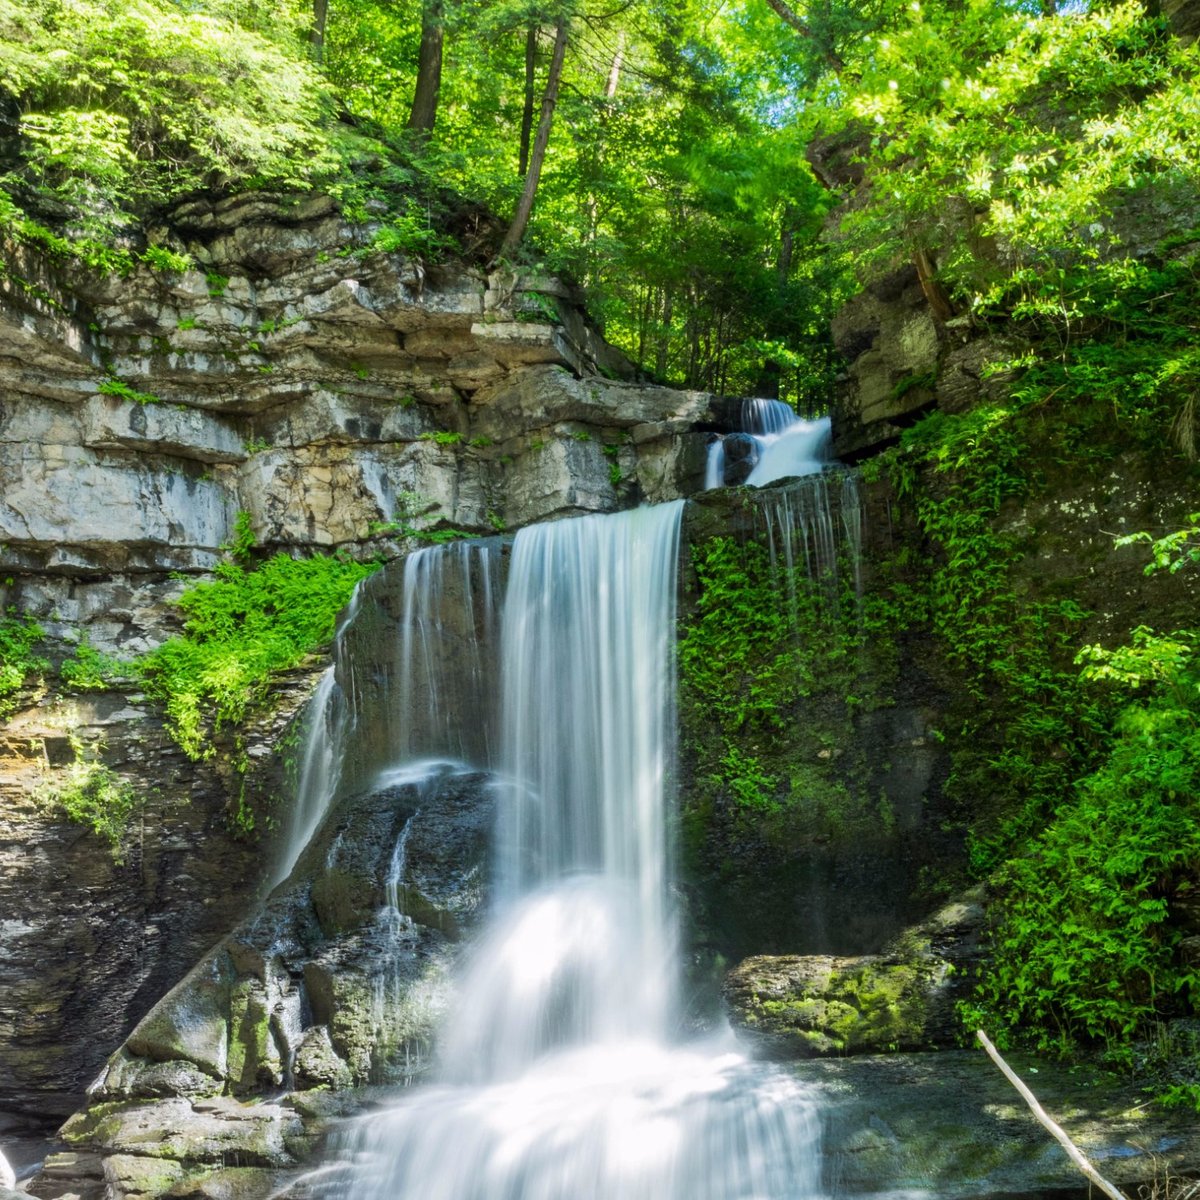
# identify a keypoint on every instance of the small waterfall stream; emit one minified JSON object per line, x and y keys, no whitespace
{"x":563,"y":1071}
{"x":774,"y":444}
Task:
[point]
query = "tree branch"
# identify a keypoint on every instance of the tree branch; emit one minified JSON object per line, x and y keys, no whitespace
{"x":1073,"y":1151}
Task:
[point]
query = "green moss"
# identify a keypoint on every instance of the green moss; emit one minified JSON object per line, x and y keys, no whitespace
{"x":19,"y":664}
{"x":864,"y":1006}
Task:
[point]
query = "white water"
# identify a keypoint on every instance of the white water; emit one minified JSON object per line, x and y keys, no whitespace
{"x":447,"y":630}
{"x":438,"y":669}
{"x":788,"y":445}
{"x":327,"y":724}
{"x":563,"y":1075}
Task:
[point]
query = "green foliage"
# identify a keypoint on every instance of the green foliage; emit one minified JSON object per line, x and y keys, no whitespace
{"x":241,"y":627}
{"x":1028,"y":728}
{"x":1172,"y":553}
{"x":18,"y":661}
{"x":442,"y":437}
{"x":763,"y":644}
{"x":92,"y":794}
{"x":241,"y":544}
{"x":128,"y":105}
{"x":411,"y":233}
{"x":163,"y":259}
{"x":117,"y":387}
{"x":1084,"y":947}
{"x":87,"y":670}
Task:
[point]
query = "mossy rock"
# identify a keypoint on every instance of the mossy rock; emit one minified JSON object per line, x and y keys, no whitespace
{"x":804,"y":1006}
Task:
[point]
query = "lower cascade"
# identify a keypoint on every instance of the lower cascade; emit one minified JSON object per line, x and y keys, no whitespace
{"x":563,"y":1070}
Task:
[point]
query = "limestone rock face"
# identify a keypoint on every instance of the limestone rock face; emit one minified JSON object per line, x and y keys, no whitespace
{"x":336,"y":395}
{"x":338,"y":982}
{"x":343,"y":399}
{"x":91,"y":936}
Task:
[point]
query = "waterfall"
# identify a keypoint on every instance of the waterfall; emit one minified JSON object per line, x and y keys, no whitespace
{"x":564,"y":1074}
{"x":326,"y":725}
{"x":774,"y":444}
{"x":425,"y":697}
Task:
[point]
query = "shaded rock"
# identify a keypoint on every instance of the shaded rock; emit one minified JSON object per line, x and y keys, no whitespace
{"x":331,"y":982}
{"x":217,"y":1130}
{"x":336,"y":983}
{"x":741,"y":457}
{"x":317,"y":1063}
{"x":87,"y":942}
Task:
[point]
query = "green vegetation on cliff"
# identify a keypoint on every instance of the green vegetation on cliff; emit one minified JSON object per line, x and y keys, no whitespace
{"x":18,"y":661}
{"x":241,"y":627}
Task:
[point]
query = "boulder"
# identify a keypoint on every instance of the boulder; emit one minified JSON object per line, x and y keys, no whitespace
{"x":901,"y":999}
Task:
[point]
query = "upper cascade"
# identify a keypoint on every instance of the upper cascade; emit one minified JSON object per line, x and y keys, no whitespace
{"x":774,"y":443}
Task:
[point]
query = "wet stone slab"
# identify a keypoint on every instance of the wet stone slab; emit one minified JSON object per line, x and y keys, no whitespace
{"x":947,"y":1124}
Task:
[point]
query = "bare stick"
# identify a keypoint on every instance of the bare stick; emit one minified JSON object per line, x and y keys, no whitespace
{"x":1073,"y":1151}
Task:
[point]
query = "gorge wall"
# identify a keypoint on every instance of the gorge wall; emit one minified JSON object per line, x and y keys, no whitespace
{"x":358,"y":402}
{"x":338,"y":399}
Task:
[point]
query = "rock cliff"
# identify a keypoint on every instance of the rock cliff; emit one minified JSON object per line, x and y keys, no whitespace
{"x":341,"y":399}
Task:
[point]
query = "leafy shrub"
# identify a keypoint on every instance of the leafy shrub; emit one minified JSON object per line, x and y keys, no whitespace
{"x":1084,"y":947}
{"x":116,"y":387}
{"x":242,"y":626}
{"x":88,"y":670}
{"x":18,"y":636}
{"x":92,"y":794}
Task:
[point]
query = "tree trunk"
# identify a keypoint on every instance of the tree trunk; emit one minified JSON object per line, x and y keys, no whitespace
{"x":939,"y":302}
{"x":429,"y":70}
{"x":592,"y":206}
{"x":316,"y":35}
{"x":531,"y":41}
{"x":516,"y":231}
{"x":770,"y":377}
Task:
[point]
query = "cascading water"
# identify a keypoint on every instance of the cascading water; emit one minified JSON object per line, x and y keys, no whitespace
{"x":428,"y":697}
{"x":782,"y":445}
{"x":327,"y":724}
{"x":562,"y":1076}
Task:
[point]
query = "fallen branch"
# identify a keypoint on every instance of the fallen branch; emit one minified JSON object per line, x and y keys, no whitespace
{"x":1073,"y":1151}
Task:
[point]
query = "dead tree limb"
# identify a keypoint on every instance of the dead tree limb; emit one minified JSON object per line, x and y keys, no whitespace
{"x":1073,"y":1151}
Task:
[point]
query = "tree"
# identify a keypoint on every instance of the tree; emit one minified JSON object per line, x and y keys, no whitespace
{"x":516,"y":231}
{"x":429,"y":69}
{"x":316,"y":36}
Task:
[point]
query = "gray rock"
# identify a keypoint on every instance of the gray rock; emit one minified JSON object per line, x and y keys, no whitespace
{"x":949,"y":1125}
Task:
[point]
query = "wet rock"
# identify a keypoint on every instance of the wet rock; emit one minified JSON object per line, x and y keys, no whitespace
{"x":317,"y":1063}
{"x":741,"y":457}
{"x":331,"y":985}
{"x":216,"y":1130}
{"x":88,"y":939}
{"x":950,"y":1125}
